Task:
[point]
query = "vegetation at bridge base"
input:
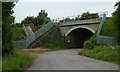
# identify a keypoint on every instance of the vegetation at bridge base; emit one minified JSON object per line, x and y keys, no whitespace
{"x":17,"y":61}
{"x":58,"y":45}
{"x":89,"y":44}
{"x":106,"y":53}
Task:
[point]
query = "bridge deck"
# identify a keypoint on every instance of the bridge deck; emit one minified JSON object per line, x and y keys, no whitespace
{"x":90,"y":21}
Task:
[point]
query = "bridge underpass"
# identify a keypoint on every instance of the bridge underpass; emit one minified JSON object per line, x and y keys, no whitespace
{"x":77,"y":37}
{"x":77,"y":32}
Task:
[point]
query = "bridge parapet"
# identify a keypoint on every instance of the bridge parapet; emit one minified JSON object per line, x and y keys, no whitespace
{"x":88,"y":21}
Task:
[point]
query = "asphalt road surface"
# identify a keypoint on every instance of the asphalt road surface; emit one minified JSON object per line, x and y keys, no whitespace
{"x":69,"y":60}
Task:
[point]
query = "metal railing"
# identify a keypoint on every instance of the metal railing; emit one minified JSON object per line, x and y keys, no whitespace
{"x":26,"y":43}
{"x":57,"y":20}
{"x":88,"y":21}
{"x":107,"y":40}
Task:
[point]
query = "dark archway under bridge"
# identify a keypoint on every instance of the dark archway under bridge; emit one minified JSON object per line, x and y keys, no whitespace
{"x":77,"y":37}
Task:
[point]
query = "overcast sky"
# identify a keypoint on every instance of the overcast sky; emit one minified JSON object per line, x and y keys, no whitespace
{"x":60,"y":9}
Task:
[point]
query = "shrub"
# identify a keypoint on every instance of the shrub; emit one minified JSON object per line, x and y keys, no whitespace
{"x":109,"y":29}
{"x":91,"y":42}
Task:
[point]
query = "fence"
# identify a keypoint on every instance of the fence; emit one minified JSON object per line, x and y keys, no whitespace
{"x":88,"y":21}
{"x":104,"y":39}
{"x":26,"y":43}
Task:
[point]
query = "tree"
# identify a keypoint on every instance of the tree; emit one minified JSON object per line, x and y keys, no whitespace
{"x":42,"y":17}
{"x":7,"y":19}
{"x":66,"y":19}
{"x":28,"y":20}
{"x":16,"y":25}
{"x":116,"y":17}
{"x":88,"y":15}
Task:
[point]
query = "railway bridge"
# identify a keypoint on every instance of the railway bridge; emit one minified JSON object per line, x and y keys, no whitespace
{"x":76,"y":32}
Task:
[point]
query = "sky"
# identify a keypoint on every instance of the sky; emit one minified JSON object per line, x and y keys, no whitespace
{"x":60,"y":9}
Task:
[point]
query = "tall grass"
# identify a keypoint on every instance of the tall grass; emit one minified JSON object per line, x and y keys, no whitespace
{"x":17,"y":61}
{"x":106,"y":53}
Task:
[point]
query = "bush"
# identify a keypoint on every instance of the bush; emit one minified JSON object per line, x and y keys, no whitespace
{"x":109,"y":28}
{"x":91,"y":42}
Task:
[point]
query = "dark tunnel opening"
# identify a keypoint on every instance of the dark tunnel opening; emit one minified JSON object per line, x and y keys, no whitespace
{"x":77,"y":37}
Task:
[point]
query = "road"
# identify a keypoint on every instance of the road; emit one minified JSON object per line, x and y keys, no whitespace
{"x":69,"y":60}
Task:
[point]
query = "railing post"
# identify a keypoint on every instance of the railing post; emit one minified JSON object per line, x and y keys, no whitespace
{"x":100,"y":27}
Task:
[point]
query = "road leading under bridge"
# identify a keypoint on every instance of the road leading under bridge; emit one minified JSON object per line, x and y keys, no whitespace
{"x":69,"y":60}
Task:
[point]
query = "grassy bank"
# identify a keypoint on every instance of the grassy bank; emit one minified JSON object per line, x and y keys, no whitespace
{"x":17,"y":33}
{"x":56,"y":46}
{"x":109,"y":28}
{"x":17,"y":61}
{"x":106,"y":53}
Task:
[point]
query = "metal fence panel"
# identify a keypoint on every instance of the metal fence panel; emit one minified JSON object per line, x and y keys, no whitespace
{"x":107,"y":40}
{"x":25,"y":43}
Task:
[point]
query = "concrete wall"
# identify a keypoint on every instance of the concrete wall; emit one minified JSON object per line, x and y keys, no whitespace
{"x":67,"y":29}
{"x":51,"y":36}
{"x":54,"y":36}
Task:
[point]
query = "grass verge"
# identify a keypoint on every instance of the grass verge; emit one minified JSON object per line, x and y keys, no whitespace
{"x":56,"y":46}
{"x":106,"y":53}
{"x":18,"y":61}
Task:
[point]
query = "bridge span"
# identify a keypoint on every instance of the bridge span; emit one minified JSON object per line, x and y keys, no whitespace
{"x":77,"y":32}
